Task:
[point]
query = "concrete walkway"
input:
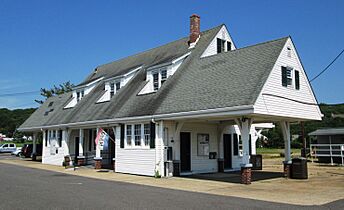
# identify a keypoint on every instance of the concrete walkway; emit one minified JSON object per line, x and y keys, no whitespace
{"x":325,"y":183}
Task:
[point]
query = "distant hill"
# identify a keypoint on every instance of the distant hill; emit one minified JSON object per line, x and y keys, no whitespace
{"x":275,"y":135}
{"x":11,"y":119}
{"x":328,"y":121}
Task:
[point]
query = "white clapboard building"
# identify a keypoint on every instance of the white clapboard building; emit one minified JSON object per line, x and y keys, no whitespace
{"x":179,"y":108}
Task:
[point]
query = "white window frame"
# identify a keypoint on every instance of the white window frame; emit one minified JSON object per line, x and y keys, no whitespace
{"x":158,"y":71}
{"x":113,"y":87}
{"x":290,"y":77}
{"x":143,"y":135}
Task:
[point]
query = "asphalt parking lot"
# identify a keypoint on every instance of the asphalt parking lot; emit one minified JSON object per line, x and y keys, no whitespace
{"x":33,"y":188}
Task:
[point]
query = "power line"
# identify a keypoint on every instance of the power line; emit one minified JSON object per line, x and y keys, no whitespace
{"x":327,"y":66}
{"x":18,"y":93}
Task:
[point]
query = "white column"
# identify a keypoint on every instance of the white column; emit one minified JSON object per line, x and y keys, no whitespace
{"x":34,"y":141}
{"x":245,"y":127}
{"x":159,"y":147}
{"x":65,"y":141}
{"x":285,"y":126}
{"x":176,"y":138}
{"x":245,"y":135}
{"x":97,"y":147}
{"x":81,"y":142}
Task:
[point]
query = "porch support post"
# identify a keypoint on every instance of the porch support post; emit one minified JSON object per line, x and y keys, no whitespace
{"x":34,"y":146}
{"x":34,"y":143}
{"x":220,"y":159}
{"x":65,"y":145}
{"x":45,"y":141}
{"x":81,"y":157}
{"x":246,"y":167}
{"x":285,"y":126}
{"x":97,"y":158}
{"x":176,"y":148}
{"x":159,"y":148}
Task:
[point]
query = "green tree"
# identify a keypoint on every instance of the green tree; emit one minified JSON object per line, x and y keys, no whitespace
{"x":56,"y":90}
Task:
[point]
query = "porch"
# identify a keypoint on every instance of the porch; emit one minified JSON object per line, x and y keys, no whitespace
{"x":220,"y":148}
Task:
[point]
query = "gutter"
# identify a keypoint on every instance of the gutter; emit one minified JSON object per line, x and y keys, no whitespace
{"x":227,"y":111}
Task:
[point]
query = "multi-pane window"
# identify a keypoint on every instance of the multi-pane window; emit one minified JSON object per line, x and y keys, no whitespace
{"x":112,"y":89}
{"x":147,"y":134}
{"x":59,"y":138}
{"x":289,"y":76}
{"x":137,"y":134}
{"x":118,"y":86}
{"x":223,"y":45}
{"x":156,"y":81}
{"x":163,"y":76}
{"x":79,"y":95}
{"x":159,"y":77}
{"x":129,"y":135}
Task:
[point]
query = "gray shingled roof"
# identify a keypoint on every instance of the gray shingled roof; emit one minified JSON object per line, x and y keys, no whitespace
{"x":327,"y":132}
{"x":228,"y":79}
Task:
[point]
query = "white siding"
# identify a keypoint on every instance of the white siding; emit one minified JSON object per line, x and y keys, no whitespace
{"x":134,"y":161}
{"x":202,"y":164}
{"x":272,"y":105}
{"x":55,"y":159}
{"x":212,"y":48}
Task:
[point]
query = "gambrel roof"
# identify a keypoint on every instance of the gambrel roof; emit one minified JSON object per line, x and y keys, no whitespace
{"x":229,"y":79}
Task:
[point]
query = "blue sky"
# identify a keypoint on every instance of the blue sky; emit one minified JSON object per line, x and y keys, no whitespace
{"x":43,"y":43}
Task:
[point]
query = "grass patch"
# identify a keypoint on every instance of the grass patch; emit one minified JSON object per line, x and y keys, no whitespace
{"x":276,"y":153}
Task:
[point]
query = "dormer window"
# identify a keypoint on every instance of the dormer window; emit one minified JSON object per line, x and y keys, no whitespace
{"x":223,"y":45}
{"x":114,"y":87}
{"x":156,"y":81}
{"x":163,"y":76}
{"x":79,"y":95}
{"x":159,"y":77}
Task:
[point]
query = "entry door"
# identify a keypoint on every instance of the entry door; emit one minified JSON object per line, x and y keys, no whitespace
{"x":185,"y":151}
{"x":227,"y":150}
{"x":77,"y":140}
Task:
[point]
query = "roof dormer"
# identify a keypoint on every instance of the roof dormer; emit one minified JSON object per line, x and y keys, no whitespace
{"x":114,"y":84}
{"x":157,"y":75}
{"x":80,"y":91}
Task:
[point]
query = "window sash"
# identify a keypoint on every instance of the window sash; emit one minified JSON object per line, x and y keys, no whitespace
{"x":137,"y":134}
{"x":147,"y":134}
{"x":129,"y":135}
{"x":156,"y":81}
{"x":118,"y":86}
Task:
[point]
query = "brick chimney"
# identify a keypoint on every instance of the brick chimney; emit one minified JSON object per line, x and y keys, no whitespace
{"x":194,"y":28}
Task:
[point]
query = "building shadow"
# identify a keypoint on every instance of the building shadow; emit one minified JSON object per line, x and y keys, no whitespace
{"x":235,"y":177}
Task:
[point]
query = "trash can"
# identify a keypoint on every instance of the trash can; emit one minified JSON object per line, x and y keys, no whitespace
{"x":299,"y":168}
{"x":257,"y":162}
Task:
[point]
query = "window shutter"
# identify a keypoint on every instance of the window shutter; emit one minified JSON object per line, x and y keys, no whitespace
{"x":152,"y":135}
{"x":297,"y":80}
{"x":219,"y":43}
{"x":229,"y":46}
{"x":284,"y":76}
{"x":122,"y":136}
{"x":235,"y":144}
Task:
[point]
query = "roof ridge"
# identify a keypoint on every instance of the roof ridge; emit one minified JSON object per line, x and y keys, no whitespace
{"x":261,"y":43}
{"x":145,"y":51}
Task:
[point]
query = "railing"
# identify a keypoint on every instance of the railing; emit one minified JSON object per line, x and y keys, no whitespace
{"x":327,"y":150}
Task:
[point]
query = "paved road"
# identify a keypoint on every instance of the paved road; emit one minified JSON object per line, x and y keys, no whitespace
{"x":26,"y":188}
